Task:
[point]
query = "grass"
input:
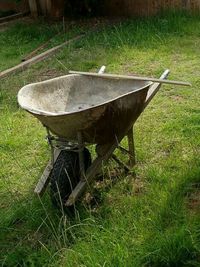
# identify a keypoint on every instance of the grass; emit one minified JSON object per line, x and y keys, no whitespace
{"x":27,"y":35}
{"x":22,"y":39}
{"x":142,"y":219}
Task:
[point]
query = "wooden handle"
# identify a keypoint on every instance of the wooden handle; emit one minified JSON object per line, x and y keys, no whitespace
{"x":115,"y":76}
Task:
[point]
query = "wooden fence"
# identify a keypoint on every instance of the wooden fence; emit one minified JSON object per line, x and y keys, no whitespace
{"x":16,"y":6}
{"x":55,"y":8}
{"x":147,"y":7}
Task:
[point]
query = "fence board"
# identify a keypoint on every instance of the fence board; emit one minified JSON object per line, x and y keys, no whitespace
{"x":147,"y":7}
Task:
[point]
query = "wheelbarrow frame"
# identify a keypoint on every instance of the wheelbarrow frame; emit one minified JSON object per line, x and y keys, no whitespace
{"x":104,"y":152}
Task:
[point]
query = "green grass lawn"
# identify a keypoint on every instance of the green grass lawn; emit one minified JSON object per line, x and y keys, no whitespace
{"x":21,"y":38}
{"x":147,"y":218}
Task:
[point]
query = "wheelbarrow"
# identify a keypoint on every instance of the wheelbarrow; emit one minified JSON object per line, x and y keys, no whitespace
{"x":79,"y":110}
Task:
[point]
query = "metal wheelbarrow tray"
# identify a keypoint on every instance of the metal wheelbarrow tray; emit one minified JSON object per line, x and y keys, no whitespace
{"x":79,"y":110}
{"x":98,"y":108}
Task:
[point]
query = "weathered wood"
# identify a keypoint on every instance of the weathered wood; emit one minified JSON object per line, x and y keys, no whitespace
{"x":55,"y":8}
{"x":33,"y":8}
{"x":120,"y":163}
{"x":14,"y":5}
{"x":76,"y":193}
{"x":48,"y":6}
{"x":124,"y":150}
{"x":155,"y":88}
{"x":24,"y":65}
{"x":81,"y":156}
{"x":131,"y":147}
{"x":12,"y":17}
{"x":139,"y":78}
{"x":45,"y":178}
{"x":146,"y":7}
{"x":90,"y":173}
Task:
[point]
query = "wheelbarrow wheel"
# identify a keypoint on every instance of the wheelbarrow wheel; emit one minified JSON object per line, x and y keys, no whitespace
{"x":66,"y":175}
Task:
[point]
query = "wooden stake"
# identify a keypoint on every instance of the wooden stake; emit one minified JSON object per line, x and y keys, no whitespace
{"x":131,"y":147}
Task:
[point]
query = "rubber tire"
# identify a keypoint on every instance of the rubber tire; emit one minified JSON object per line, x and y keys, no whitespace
{"x":66,"y":175}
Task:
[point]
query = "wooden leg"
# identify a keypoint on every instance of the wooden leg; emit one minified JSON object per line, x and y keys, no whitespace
{"x":131,"y":147}
{"x":104,"y":152}
{"x":120,"y":163}
{"x":45,"y":178}
{"x":81,"y":155}
{"x":91,"y":172}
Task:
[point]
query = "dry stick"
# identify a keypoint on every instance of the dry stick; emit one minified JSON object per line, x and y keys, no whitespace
{"x":139,"y":78}
{"x":30,"y":55}
{"x":24,"y":65}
